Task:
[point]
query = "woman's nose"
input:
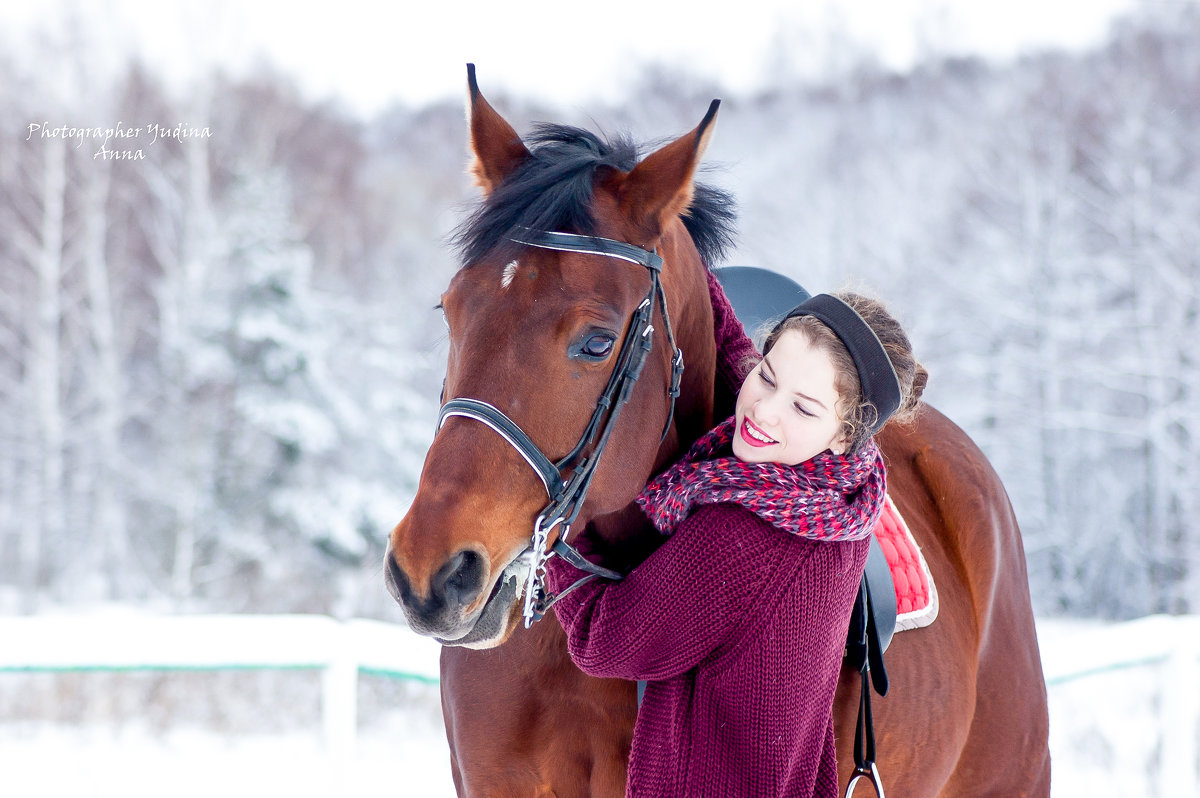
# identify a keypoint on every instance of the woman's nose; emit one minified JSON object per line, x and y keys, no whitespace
{"x":765,"y":411}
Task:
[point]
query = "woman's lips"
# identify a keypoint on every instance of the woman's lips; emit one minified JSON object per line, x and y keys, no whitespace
{"x":750,"y":439}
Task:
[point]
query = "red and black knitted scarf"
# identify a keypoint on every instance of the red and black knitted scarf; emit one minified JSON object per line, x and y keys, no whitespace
{"x":829,"y":497}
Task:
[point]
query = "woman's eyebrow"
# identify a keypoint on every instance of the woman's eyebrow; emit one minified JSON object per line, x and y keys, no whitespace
{"x":812,"y":399}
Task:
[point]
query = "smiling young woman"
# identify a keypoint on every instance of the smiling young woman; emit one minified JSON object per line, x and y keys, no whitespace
{"x":738,"y":620}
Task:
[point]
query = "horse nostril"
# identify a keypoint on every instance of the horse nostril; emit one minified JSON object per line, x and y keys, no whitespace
{"x":395,"y":580}
{"x":460,"y":580}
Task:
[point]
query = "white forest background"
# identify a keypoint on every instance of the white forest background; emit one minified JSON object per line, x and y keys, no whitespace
{"x":219,"y":365}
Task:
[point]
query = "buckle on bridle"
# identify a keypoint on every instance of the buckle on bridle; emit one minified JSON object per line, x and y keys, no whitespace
{"x":676,"y":374}
{"x":535,"y":580}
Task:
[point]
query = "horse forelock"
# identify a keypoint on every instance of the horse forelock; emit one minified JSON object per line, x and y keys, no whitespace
{"x":553,"y":190}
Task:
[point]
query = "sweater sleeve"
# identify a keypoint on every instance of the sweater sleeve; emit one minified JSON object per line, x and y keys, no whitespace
{"x":676,"y":608}
{"x":736,"y":353}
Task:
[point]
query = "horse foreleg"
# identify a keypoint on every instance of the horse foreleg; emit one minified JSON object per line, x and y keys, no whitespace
{"x":523,"y":721}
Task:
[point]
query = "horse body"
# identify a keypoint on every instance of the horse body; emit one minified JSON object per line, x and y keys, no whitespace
{"x":528,"y":330}
{"x":966,"y":714}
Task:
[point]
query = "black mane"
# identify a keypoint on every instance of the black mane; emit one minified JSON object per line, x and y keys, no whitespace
{"x":552,"y":190}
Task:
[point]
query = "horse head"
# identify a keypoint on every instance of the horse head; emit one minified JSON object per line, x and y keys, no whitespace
{"x":536,"y":331}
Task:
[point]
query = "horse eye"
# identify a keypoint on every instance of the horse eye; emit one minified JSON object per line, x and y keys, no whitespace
{"x":597,"y":346}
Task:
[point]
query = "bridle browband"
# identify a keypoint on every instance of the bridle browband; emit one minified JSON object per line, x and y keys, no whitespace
{"x":567,"y":491}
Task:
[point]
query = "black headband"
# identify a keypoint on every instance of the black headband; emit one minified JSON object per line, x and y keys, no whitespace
{"x":880,"y":385}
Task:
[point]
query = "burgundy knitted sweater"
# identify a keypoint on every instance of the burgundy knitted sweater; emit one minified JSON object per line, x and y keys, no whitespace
{"x":739,"y":628}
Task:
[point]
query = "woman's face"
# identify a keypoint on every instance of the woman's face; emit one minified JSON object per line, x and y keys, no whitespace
{"x":787,"y":407}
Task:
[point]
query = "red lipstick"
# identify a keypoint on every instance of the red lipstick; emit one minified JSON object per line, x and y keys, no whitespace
{"x":750,"y":439}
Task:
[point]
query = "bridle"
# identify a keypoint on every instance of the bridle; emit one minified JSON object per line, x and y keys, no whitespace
{"x":567,"y":481}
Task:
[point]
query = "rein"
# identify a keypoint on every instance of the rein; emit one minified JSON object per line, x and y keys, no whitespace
{"x":567,"y":491}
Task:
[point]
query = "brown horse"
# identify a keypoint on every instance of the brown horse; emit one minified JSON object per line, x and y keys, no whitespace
{"x":535,"y":332}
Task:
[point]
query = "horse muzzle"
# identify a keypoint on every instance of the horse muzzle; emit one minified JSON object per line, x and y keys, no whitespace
{"x":446,"y":614}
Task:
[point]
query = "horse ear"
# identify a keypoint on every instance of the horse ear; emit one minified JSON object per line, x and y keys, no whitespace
{"x":660,"y":187}
{"x":495,"y":148}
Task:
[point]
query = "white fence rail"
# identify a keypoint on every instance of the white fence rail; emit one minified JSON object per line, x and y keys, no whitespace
{"x":1165,"y":649}
{"x":339,"y":649}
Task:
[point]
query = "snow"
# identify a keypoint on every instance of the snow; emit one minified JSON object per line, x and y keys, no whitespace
{"x":1113,"y":689}
{"x":1123,"y":706}
{"x":407,"y":756}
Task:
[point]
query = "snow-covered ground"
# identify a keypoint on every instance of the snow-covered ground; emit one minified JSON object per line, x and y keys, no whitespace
{"x":1111,"y":695}
{"x":404,"y":757}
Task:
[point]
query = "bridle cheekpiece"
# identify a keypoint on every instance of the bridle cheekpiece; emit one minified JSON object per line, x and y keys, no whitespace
{"x":568,"y":479}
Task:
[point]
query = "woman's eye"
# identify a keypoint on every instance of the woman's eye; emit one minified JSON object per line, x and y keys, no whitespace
{"x":802,"y":410}
{"x":763,"y":376}
{"x":598,"y":346}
